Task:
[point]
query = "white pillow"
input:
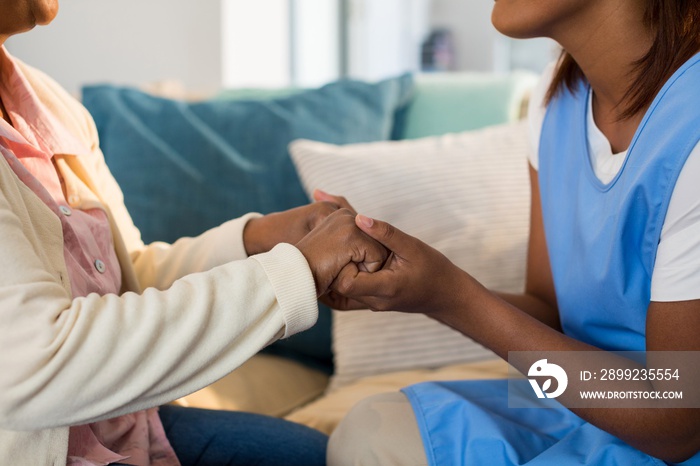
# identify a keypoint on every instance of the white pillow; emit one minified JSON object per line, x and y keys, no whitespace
{"x":465,"y":194}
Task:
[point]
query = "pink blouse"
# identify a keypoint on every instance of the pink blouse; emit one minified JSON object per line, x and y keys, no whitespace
{"x":37,"y":141}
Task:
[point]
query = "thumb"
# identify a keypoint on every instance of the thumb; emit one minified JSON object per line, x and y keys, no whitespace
{"x":388,"y":235}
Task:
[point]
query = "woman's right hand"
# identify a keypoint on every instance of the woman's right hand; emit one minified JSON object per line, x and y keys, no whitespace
{"x":415,"y":277}
{"x":336,"y":243}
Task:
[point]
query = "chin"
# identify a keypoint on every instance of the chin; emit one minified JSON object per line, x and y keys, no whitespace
{"x":515,"y":24}
{"x":516,"y":30}
{"x":504,"y":23}
{"x":45,"y":11}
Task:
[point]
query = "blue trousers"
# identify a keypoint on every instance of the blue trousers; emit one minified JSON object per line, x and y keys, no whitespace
{"x":202,"y":437}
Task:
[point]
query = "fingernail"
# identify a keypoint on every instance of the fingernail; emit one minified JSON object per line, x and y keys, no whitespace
{"x":365,"y":221}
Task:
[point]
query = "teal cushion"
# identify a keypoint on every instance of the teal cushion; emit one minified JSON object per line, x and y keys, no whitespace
{"x":456,"y":102}
{"x":254,"y":93}
{"x":185,"y":167}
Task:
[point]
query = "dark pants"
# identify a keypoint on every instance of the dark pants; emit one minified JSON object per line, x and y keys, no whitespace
{"x":202,"y":437}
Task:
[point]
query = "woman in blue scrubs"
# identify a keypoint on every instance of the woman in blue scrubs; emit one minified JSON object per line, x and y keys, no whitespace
{"x":613,"y":260}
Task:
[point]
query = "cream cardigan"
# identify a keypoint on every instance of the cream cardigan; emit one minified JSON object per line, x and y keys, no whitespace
{"x":189,"y":313}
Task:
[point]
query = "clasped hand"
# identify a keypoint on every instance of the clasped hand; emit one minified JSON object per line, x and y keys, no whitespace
{"x":358,"y":262}
{"x":324,"y":232}
{"x":414,"y":278}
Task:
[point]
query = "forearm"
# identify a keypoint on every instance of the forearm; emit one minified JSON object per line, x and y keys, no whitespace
{"x":501,"y":326}
{"x":159,"y":264}
{"x":417,"y":278}
{"x":535,"y":307}
{"x":130,"y":352}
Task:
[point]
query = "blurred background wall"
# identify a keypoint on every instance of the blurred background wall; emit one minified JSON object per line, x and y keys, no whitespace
{"x":207,"y":45}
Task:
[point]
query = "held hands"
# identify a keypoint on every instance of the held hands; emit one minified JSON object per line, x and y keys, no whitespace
{"x":326,"y":235}
{"x":337,"y":243}
{"x":358,"y":262}
{"x":415,"y":277}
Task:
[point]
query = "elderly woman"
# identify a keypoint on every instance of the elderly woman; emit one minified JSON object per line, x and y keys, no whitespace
{"x":613,"y":262}
{"x":99,"y":329}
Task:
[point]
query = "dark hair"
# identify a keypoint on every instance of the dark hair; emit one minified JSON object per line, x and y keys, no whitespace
{"x":676,"y":25}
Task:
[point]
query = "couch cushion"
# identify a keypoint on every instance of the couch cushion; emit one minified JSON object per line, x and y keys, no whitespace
{"x":456,"y":102}
{"x":255,"y":93}
{"x":185,"y":167}
{"x":465,"y":194}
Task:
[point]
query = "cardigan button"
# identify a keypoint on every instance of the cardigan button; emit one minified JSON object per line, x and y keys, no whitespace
{"x":65,"y":210}
{"x":100,"y":266}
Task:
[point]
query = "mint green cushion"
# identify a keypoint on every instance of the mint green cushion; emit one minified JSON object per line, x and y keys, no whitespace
{"x":455,"y":102}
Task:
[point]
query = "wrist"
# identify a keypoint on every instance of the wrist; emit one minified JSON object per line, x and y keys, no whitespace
{"x":311,"y":261}
{"x":458,"y":300}
{"x":252,"y":235}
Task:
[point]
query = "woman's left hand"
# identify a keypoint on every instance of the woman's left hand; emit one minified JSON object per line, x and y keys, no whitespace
{"x":264,"y":233}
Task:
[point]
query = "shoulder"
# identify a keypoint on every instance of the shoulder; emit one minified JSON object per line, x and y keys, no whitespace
{"x":63,"y":105}
{"x":536,"y":112}
{"x":676,"y":275}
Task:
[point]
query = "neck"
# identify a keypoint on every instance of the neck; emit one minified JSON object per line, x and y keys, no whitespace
{"x":3,"y":111}
{"x":607,"y":42}
{"x":5,"y":115}
{"x":606,"y":48}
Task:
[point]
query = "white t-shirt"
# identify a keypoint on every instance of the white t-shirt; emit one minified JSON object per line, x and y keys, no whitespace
{"x":676,"y":275}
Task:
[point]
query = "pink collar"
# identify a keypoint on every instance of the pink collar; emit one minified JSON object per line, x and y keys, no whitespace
{"x":32,"y":122}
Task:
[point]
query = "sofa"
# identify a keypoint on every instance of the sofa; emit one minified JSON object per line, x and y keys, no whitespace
{"x":442,"y":156}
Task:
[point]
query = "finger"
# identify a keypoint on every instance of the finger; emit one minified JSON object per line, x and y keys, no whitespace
{"x":366,"y":288}
{"x":370,"y":267}
{"x":340,"y":201}
{"x":371,"y":255}
{"x":361,"y":247}
{"x":394,"y":239}
{"x":341,"y":303}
